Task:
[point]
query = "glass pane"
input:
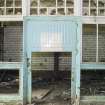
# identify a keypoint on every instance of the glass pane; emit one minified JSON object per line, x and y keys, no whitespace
{"x":18,"y":3}
{"x":43,"y":11}
{"x":89,"y":43}
{"x":33,"y":11}
{"x":60,"y":3}
{"x":52,"y":11}
{"x":61,"y":11}
{"x":93,"y":12}
{"x":101,"y":12}
{"x":85,"y":11}
{"x":70,"y":11}
{"x":93,"y":3}
{"x":34,"y":3}
{"x":2,"y":3}
{"x":9,"y":11}
{"x":9,"y":3}
{"x":70,"y":3}
{"x":85,"y":3}
{"x":1,"y":11}
{"x":101,"y":44}
{"x":101,"y":3}
{"x":47,"y":3}
{"x":18,"y":11}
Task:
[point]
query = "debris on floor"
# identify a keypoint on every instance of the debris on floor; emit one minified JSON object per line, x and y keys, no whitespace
{"x":55,"y":93}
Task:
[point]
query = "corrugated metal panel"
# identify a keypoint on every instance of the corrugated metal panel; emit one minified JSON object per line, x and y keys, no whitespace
{"x":51,"y":36}
{"x":45,"y":61}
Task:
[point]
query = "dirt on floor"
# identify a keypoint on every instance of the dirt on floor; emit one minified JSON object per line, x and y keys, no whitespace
{"x":56,"y":93}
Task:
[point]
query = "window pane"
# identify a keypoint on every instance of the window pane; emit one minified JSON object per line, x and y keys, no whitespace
{"x":85,"y":3}
{"x":33,"y":11}
{"x":2,"y":3}
{"x":93,"y":12}
{"x":52,"y":11}
{"x":18,"y":3}
{"x":18,"y":11}
{"x":9,"y":3}
{"x":85,"y":11}
{"x":60,"y":3}
{"x":101,"y":3}
{"x":34,"y":3}
{"x":93,"y":3}
{"x":43,"y":11}
{"x":47,"y":3}
{"x":1,"y":11}
{"x":70,"y":11}
{"x":61,"y":11}
{"x":101,"y":12}
{"x":9,"y":11}
{"x":70,"y":3}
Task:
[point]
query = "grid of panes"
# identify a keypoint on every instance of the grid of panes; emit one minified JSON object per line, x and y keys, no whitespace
{"x":52,"y":7}
{"x":93,"y":8}
{"x":10,"y":7}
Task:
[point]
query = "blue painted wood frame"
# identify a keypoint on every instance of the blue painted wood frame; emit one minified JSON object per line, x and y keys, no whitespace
{"x":21,"y":96}
{"x":33,"y":26}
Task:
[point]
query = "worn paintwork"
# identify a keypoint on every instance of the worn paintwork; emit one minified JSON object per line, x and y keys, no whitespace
{"x":69,"y":29}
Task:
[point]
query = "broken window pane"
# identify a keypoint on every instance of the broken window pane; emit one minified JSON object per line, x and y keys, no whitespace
{"x":70,"y":11}
{"x":9,"y":3}
{"x":47,"y":3}
{"x":101,"y":12}
{"x":101,"y":3}
{"x":93,"y":12}
{"x":61,"y":11}
{"x":33,"y":11}
{"x":18,"y":11}
{"x":9,"y":81}
{"x":85,"y":12}
{"x":43,"y":11}
{"x":18,"y":3}
{"x":60,"y":3}
{"x":70,"y":3}
{"x":2,"y":3}
{"x":52,"y":11}
{"x":34,"y":3}
{"x":93,"y":3}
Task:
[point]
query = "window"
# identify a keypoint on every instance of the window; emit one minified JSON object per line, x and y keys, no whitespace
{"x":93,"y":42}
{"x":93,"y":8}
{"x":10,"y":7}
{"x":52,"y":7}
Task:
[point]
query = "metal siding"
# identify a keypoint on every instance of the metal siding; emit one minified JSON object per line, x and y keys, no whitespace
{"x":66,"y":30}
